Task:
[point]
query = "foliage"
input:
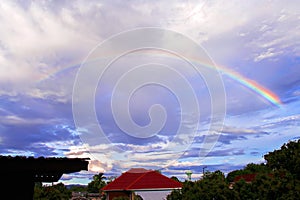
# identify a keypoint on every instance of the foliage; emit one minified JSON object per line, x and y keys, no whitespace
{"x":249,"y":169}
{"x":212,"y":186}
{"x":96,"y":184}
{"x":287,"y":158}
{"x":175,"y":178}
{"x":110,"y":179}
{"x":279,"y":179}
{"x":279,"y":185}
{"x":58,"y":191}
{"x":78,"y":188}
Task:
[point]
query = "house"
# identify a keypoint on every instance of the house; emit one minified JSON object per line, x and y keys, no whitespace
{"x":139,"y":180}
{"x":248,"y":178}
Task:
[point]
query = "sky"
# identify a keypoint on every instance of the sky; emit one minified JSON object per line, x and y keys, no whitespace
{"x":173,"y":86}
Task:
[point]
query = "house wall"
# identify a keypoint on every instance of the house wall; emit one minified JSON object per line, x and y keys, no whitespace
{"x":111,"y":195}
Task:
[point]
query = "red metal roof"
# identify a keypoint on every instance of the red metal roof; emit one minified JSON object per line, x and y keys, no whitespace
{"x":142,"y":179}
{"x":249,"y":177}
{"x":246,"y":177}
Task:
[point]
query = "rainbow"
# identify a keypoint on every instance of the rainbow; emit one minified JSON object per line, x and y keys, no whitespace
{"x":251,"y":84}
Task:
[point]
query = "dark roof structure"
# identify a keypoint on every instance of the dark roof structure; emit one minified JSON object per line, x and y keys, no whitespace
{"x":139,"y":179}
{"x":42,"y":169}
{"x":22,"y":172}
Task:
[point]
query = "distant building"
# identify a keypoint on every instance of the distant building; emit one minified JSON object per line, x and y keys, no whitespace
{"x":79,"y":196}
{"x":138,"y":180}
{"x":85,"y":196}
{"x":248,"y":178}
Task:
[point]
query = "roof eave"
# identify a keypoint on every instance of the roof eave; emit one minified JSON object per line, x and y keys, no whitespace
{"x":148,"y":189}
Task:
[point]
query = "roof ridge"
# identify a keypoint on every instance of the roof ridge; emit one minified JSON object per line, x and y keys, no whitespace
{"x":113,"y":181}
{"x":137,"y":179}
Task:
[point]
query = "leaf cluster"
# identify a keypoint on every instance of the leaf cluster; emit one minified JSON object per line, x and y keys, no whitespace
{"x":279,"y":179}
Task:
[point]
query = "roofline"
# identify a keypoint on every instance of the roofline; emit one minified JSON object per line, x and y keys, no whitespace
{"x":150,"y":189}
{"x":137,"y":180}
{"x":156,"y":189}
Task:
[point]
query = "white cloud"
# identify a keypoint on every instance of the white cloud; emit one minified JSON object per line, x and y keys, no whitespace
{"x":43,"y":38}
{"x":278,"y":121}
{"x":19,"y":121}
{"x":238,"y":130}
{"x":268,"y":54}
{"x":36,"y":41}
{"x":98,"y":166}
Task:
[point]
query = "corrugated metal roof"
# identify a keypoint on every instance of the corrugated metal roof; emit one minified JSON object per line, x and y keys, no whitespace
{"x":142,"y":180}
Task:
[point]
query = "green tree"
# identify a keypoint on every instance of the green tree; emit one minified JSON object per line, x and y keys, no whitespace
{"x":38,"y":189}
{"x":268,"y":186}
{"x":58,"y":191}
{"x":249,"y":169}
{"x":212,"y":186}
{"x":96,"y":184}
{"x":278,"y":179}
{"x":175,"y":178}
{"x":175,"y":195}
{"x":78,"y":188}
{"x":243,"y":190}
{"x":287,"y":158}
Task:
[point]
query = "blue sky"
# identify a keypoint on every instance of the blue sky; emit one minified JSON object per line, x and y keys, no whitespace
{"x":45,"y":45}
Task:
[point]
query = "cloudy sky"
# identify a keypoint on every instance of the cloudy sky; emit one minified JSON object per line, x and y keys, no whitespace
{"x":164,"y":85}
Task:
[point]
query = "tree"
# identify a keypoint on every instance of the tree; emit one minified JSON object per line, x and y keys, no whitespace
{"x":249,"y":169}
{"x":175,"y":178}
{"x":38,"y":189}
{"x":287,"y":158}
{"x":212,"y":186}
{"x":58,"y":191}
{"x":96,"y":184}
{"x":78,"y":188}
{"x":110,"y":179}
{"x":243,"y":190}
{"x":279,"y":178}
{"x":175,"y":195}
